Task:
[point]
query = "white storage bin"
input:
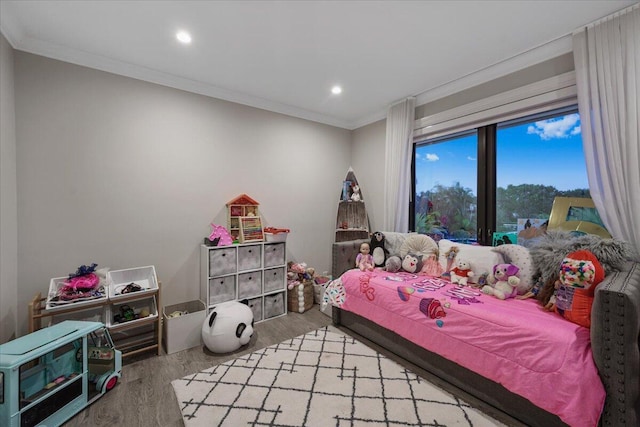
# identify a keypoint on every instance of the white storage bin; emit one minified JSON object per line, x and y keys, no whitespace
{"x":143,"y":309}
{"x":145,"y":277}
{"x":56,"y":283}
{"x":184,"y":331}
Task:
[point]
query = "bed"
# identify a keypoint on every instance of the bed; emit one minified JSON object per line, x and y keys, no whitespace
{"x":533,"y":365}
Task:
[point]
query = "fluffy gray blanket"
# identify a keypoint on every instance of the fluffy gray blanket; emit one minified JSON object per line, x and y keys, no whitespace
{"x":549,"y":251}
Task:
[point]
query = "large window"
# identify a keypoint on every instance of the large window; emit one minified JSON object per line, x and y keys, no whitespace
{"x":501,"y":177}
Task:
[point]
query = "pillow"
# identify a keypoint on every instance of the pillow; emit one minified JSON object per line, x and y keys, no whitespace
{"x":419,"y":244}
{"x":481,"y":258}
{"x":393,"y":241}
{"x":520,"y":256}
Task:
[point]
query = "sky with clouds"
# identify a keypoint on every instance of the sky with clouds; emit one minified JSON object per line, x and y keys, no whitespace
{"x":546,"y":152}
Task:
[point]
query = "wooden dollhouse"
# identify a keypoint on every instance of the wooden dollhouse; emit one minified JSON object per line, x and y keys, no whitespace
{"x":243,"y":219}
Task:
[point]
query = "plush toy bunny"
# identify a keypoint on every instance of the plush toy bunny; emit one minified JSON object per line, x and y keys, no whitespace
{"x":503,"y":282}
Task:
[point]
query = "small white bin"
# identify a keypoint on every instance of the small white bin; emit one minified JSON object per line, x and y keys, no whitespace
{"x":185,"y":331}
{"x":145,"y":277}
{"x":53,"y":303}
{"x":276,"y":234}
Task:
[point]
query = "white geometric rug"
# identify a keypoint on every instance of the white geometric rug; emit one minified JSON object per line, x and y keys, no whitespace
{"x":323,"y":378}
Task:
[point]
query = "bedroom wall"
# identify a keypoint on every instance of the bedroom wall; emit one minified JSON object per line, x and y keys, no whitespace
{"x":8,"y":195}
{"x":126,"y":173}
{"x":367,"y":160}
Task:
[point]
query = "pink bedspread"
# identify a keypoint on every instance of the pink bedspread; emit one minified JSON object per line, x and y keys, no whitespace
{"x":531,"y":352}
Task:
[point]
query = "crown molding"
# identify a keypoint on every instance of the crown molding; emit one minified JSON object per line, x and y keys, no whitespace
{"x":122,"y":68}
{"x":18,"y":41}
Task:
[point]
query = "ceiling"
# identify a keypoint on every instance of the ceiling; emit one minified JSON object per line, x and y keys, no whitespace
{"x":285,"y":56}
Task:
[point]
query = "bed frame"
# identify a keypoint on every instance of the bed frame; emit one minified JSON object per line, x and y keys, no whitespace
{"x":615,"y":341}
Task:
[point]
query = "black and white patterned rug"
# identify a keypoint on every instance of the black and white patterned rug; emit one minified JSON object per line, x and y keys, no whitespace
{"x":323,"y":378}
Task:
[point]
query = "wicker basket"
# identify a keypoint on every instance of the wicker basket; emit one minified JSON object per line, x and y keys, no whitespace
{"x":300,"y":300}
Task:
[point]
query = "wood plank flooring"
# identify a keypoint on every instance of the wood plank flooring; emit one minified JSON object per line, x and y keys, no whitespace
{"x":144,"y":396}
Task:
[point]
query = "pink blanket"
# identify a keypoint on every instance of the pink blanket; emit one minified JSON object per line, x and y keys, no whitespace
{"x":531,"y":352}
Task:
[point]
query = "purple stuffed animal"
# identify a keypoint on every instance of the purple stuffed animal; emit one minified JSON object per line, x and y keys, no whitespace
{"x":503,"y":281}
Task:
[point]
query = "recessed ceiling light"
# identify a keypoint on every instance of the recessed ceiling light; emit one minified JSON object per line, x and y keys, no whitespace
{"x":336,"y":90}
{"x":183,"y":37}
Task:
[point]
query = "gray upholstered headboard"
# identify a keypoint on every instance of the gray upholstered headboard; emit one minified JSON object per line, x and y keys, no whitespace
{"x":615,"y":341}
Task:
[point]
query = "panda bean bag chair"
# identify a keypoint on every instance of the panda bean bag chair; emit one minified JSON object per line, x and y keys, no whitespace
{"x":228,"y":327}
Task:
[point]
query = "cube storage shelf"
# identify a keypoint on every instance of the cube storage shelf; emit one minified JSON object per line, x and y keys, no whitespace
{"x":254,"y":271}
{"x":141,"y":334}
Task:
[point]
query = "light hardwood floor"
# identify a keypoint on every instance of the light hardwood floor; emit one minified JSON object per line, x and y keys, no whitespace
{"x":144,"y":396}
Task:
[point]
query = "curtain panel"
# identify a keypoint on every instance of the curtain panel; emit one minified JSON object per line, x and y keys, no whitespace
{"x":607,"y":64}
{"x":398,"y":149}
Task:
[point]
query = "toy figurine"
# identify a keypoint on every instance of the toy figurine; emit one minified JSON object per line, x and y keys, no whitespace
{"x":364,"y":260}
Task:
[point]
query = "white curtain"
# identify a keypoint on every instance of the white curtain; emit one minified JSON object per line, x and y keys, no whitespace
{"x":398,"y":149}
{"x":607,"y":63}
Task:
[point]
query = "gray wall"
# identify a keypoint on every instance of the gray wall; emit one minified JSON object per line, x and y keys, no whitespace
{"x":8,"y":194}
{"x":367,"y":159}
{"x":126,"y":173}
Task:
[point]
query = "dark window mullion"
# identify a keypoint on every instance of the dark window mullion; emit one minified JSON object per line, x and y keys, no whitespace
{"x":486,"y":184}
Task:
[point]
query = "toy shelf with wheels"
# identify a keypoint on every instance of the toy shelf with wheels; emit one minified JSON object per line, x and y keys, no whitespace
{"x":137,"y":335}
{"x":253,"y":271}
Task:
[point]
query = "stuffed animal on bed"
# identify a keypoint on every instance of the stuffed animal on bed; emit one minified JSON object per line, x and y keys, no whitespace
{"x":378,"y":251}
{"x":412,"y":263}
{"x":503,"y":282}
{"x":580,"y":273}
{"x":461,"y":273}
{"x":393,"y":264}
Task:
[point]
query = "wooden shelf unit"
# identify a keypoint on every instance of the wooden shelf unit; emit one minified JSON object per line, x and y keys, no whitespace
{"x":133,"y":337}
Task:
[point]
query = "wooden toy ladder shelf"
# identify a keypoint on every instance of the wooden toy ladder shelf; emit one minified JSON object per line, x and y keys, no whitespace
{"x":352,"y":220}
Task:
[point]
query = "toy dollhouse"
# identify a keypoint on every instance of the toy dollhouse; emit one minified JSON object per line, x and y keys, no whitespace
{"x":243,"y":219}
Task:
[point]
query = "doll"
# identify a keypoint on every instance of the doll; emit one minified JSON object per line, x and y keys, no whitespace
{"x":364,"y":260}
{"x":432,"y":267}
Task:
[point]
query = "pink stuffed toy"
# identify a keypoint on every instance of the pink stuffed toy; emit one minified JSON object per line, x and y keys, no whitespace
{"x":220,"y":236}
{"x":503,"y":282}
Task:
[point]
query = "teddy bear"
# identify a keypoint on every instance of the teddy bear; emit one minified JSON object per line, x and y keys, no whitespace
{"x":503,"y":281}
{"x":580,"y":273}
{"x":461,"y":273}
{"x":378,"y":251}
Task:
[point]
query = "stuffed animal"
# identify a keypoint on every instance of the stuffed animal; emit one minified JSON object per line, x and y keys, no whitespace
{"x":393,"y":264}
{"x":503,"y":282}
{"x":412,"y":263}
{"x":378,"y":251}
{"x":364,"y":260}
{"x":355,"y":196}
{"x":580,"y":273}
{"x":228,"y":327}
{"x":462,"y":272}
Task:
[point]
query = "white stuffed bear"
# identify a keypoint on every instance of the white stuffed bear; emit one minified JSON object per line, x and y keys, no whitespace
{"x":461,"y":273}
{"x":503,"y":281}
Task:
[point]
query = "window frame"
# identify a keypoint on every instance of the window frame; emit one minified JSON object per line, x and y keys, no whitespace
{"x":546,"y":97}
